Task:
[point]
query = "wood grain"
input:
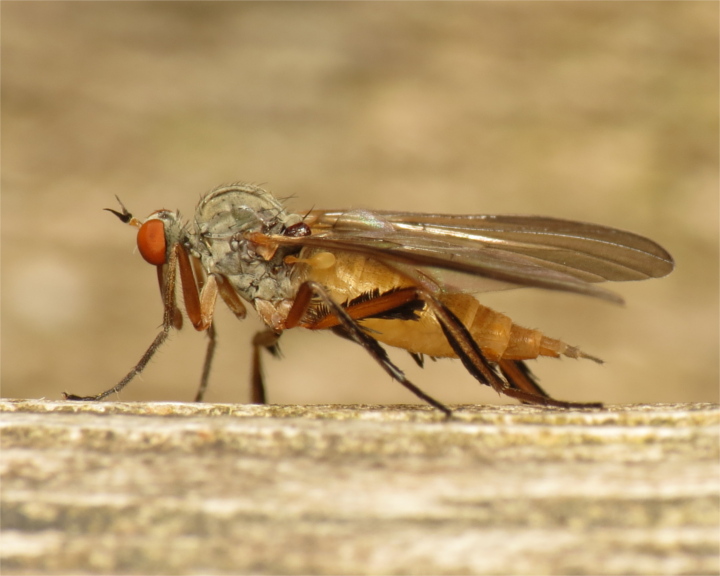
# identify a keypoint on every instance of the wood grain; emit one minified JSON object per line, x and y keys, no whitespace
{"x":172,"y":488}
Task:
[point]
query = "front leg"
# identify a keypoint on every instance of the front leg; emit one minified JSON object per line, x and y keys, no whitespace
{"x":199,"y":305}
{"x":170,"y":320}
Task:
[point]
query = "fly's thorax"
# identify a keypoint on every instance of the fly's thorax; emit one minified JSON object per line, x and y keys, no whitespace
{"x":224,"y":221}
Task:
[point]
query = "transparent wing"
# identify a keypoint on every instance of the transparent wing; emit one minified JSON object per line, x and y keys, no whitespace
{"x":480,"y":253}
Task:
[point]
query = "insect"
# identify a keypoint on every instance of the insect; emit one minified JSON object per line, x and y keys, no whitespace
{"x":375,"y":277}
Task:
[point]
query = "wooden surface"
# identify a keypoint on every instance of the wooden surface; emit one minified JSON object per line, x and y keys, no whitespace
{"x":164,"y":488}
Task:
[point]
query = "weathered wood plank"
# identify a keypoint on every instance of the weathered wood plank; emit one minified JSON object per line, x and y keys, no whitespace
{"x":186,"y":488}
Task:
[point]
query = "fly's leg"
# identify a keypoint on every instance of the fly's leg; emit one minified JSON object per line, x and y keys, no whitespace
{"x":170,"y":314}
{"x":473,"y":359}
{"x":268,"y":340}
{"x":354,"y":331}
{"x":207,"y":364}
{"x":519,"y":376}
{"x":209,"y":290}
{"x":199,"y":306}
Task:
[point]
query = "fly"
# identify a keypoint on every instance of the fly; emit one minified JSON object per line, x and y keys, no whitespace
{"x":402,"y":279}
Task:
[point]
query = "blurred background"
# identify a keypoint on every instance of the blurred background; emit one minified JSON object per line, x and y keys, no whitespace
{"x":604,"y":112}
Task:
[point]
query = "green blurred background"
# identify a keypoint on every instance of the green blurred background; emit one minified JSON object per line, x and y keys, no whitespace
{"x":606,"y":112}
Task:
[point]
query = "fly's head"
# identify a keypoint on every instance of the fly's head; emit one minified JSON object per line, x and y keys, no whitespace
{"x":157,"y":234}
{"x":228,"y":221}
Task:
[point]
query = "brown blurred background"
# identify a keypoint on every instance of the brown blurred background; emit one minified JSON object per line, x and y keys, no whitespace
{"x":606,"y":112}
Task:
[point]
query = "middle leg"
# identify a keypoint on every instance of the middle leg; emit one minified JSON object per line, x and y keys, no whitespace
{"x":355,"y":332}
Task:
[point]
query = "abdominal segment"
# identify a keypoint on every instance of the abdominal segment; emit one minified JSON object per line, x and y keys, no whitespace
{"x":495,"y":333}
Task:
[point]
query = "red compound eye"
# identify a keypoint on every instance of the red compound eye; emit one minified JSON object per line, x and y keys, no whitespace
{"x":151,"y":242}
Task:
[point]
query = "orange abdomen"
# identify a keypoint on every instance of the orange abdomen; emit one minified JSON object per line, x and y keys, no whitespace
{"x":495,"y":333}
